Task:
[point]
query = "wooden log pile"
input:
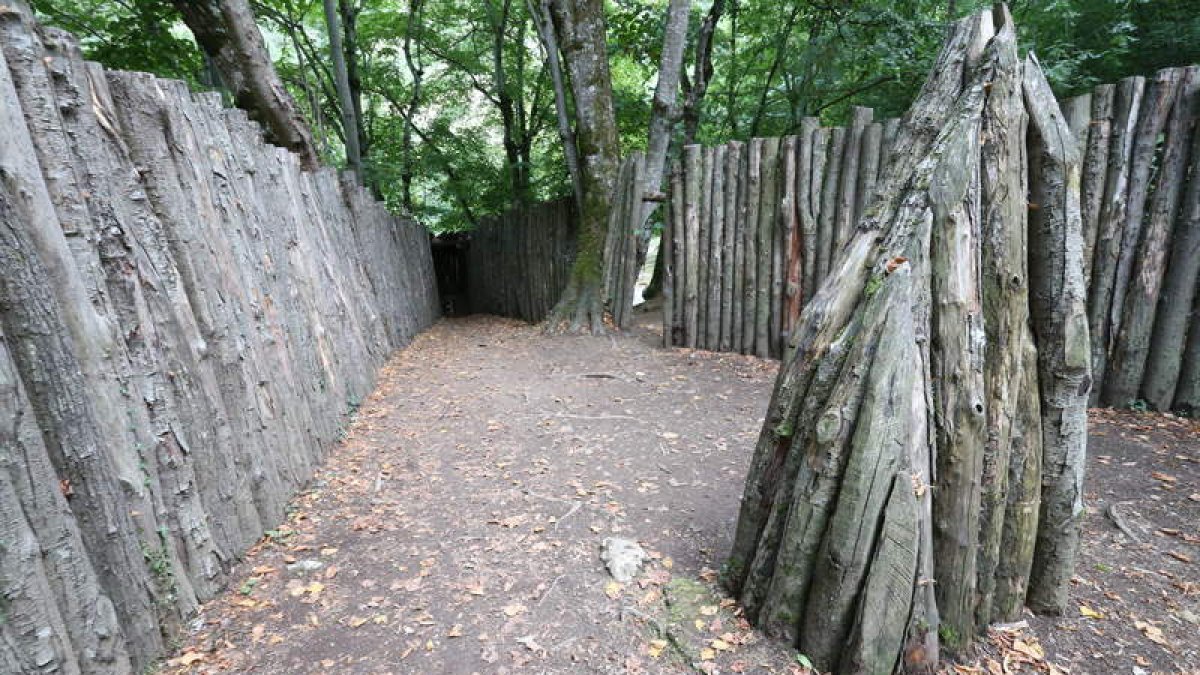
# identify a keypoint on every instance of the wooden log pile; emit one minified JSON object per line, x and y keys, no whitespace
{"x":518,"y":263}
{"x":753,"y":228}
{"x":187,"y":320}
{"x":788,"y":206}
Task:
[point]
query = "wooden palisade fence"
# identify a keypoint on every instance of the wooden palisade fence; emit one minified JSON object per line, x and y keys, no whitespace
{"x":753,"y":229}
{"x":518,"y":263}
{"x":186,"y":322}
{"x":1141,"y":222}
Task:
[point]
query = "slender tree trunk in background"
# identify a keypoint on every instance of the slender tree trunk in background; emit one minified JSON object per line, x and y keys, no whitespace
{"x":696,"y":88}
{"x":349,"y":10}
{"x":581,"y":27}
{"x":891,"y":507}
{"x":225,"y":30}
{"x":520,"y":189}
{"x":662,"y":109}
{"x":548,"y":35}
{"x":342,"y":80}
{"x":662,"y":121}
{"x":732,"y":93}
{"x":412,"y":58}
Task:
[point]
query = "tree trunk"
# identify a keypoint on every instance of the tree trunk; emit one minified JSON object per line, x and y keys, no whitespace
{"x":548,"y":35}
{"x":225,"y":30}
{"x":342,"y":80}
{"x":662,"y":108}
{"x":696,"y":88}
{"x":349,"y":11}
{"x":917,"y":340}
{"x":1095,"y":161}
{"x":412,"y":58}
{"x":581,"y":25}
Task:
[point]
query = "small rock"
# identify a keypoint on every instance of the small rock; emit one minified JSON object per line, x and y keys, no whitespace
{"x":623,"y":557}
{"x":305,"y":566}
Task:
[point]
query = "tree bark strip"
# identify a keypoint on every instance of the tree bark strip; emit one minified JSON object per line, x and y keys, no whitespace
{"x":1095,"y":173}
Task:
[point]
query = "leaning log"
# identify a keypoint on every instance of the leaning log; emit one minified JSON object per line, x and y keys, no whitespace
{"x":1057,"y":304}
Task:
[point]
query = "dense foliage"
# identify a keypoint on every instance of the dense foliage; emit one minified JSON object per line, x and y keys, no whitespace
{"x":458,"y":112}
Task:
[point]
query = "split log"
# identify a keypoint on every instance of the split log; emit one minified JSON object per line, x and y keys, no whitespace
{"x":1095,"y":172}
{"x":693,"y":164}
{"x":731,"y":166}
{"x":716,"y":246}
{"x":1057,"y":304}
{"x":860,"y":119}
{"x":868,"y":168}
{"x":1177,"y":303}
{"x":785,"y":228}
{"x":750,"y":243}
{"x":768,"y":208}
{"x":885,"y":146}
{"x":1010,"y":358}
{"x":793,"y":247}
{"x":668,"y":247}
{"x":808,"y":195}
{"x":704,"y":253}
{"x":737,"y":313}
{"x":842,"y":546}
{"x":1110,"y":227}
{"x":1132,"y":342}
{"x":1187,"y":392}
{"x":827,"y":228}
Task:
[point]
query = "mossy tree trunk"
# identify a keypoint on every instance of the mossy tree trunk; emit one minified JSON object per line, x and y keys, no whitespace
{"x":580,"y":27}
{"x":891,"y":507}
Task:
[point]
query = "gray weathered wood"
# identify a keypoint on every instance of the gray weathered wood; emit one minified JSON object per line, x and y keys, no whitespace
{"x":1110,"y":227}
{"x":1131,"y":343}
{"x":768,"y":211}
{"x":1095,"y":172}
{"x":1156,"y":106}
{"x":1057,"y":301}
{"x":693,"y":165}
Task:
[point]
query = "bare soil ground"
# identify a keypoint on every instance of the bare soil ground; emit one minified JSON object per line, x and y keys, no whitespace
{"x":458,"y":526}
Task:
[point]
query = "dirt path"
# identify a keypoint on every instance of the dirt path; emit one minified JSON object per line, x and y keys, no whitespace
{"x":457,"y":528}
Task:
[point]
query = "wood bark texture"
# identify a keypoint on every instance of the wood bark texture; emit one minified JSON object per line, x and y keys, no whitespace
{"x":188,"y":318}
{"x":891,"y":507}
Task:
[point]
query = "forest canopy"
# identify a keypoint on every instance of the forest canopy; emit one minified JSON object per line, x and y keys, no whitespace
{"x":456,"y":104}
